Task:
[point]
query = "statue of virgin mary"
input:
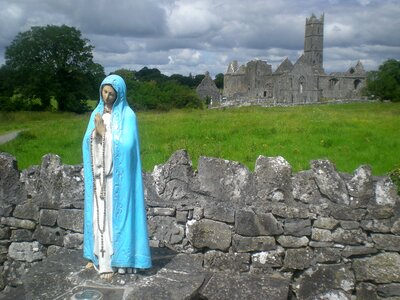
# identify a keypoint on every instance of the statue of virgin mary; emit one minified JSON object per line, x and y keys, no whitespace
{"x":115,"y":224}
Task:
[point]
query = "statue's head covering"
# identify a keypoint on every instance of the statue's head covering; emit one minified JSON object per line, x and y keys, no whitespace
{"x":118,"y":84}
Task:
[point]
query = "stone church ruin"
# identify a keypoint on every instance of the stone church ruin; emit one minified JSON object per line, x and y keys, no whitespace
{"x":305,"y":81}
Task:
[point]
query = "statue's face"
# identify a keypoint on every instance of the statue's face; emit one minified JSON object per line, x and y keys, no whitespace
{"x":109,"y":95}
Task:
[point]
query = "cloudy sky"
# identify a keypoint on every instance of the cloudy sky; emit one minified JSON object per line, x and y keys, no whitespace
{"x":194,"y":36}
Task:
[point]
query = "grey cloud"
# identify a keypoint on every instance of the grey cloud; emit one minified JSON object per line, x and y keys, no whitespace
{"x":137,"y":33}
{"x":109,"y":44}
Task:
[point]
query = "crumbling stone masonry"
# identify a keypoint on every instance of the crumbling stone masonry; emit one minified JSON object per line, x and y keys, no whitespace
{"x":332,"y":235}
{"x":305,"y":81}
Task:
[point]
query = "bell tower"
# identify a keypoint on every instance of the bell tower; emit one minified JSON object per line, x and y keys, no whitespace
{"x":314,"y":42}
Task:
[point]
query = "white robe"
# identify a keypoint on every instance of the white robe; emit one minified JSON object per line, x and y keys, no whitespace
{"x":97,"y":154}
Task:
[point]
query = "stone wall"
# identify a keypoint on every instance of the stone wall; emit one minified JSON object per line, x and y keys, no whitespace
{"x":333,"y":235}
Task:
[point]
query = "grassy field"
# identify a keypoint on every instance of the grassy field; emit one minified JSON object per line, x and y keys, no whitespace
{"x":349,"y":135}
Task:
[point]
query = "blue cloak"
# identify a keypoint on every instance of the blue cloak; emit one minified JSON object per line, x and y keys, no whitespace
{"x":129,"y":223}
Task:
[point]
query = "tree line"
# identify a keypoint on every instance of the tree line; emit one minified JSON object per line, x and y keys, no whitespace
{"x":52,"y":67}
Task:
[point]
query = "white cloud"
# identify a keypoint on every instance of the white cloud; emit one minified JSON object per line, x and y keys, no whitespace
{"x":191,"y":19}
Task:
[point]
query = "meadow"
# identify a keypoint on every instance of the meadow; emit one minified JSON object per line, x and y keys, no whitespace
{"x":349,"y":135}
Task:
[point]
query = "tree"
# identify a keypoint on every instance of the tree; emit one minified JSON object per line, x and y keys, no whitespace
{"x":384,"y":84}
{"x":219,"y":80}
{"x":146,"y":74}
{"x":54,"y":61}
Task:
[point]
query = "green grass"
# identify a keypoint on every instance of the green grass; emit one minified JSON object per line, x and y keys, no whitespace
{"x":349,"y":135}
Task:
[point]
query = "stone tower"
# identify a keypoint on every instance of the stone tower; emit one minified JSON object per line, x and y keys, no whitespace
{"x":314,"y":42}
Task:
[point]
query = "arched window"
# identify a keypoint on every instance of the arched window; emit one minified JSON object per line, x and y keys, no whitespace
{"x":301,"y":84}
{"x":357,"y":83}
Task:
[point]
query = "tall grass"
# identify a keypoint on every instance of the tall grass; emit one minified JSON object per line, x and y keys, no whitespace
{"x":349,"y":135}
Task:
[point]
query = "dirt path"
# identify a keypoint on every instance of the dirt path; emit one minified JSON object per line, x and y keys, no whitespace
{"x":9,"y":136}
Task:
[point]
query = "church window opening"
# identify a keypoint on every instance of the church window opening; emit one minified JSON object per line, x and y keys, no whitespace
{"x":265,"y":93}
{"x":357,"y":83}
{"x":333,"y":82}
{"x":352,"y":70}
{"x":301,"y":84}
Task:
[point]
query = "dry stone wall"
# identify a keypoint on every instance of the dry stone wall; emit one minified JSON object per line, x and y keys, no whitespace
{"x":332,"y":235}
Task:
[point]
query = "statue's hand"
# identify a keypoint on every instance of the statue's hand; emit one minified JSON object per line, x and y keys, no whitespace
{"x":99,"y":125}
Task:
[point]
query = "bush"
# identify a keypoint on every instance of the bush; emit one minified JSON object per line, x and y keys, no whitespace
{"x":395,"y":176}
{"x":17,"y":102}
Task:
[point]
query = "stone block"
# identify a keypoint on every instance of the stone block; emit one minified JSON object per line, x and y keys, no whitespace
{"x":48,"y":217}
{"x":171,"y":180}
{"x":182,"y":216}
{"x":26,"y":251}
{"x":4,"y":233}
{"x":332,"y":281}
{"x":344,"y":213}
{"x":366,"y":291}
{"x":396,"y":227}
{"x":11,"y":191}
{"x":273,"y":179}
{"x":250,"y":244}
{"x":209,"y":234}
{"x":222,"y":212}
{"x":71,"y":219}
{"x":268,"y":259}
{"x":349,"y":224}
{"x":321,"y":235}
{"x":223,"y":180}
{"x":380,"y":212}
{"x":54,"y":185}
{"x":4,"y":247}
{"x":166,"y":230}
{"x":327,"y":255}
{"x":53,"y":249}
{"x":27,"y":210}
{"x":49,"y":236}
{"x":73,"y":240}
{"x":248,"y":223}
{"x":389,"y":290}
{"x":18,"y":223}
{"x":298,"y":259}
{"x":315,"y":244}
{"x":297,"y":227}
{"x":21,"y":235}
{"x":245,"y":286}
{"x":380,"y":268}
{"x":360,"y":187}
{"x":198,"y":213}
{"x":288,"y":241}
{"x":161,"y":211}
{"x":349,"y":237}
{"x":286,"y":211}
{"x":349,"y":251}
{"x":326,"y":223}
{"x":232,"y":262}
{"x":388,"y":242}
{"x":304,"y":187}
{"x":385,"y":192}
{"x":381,"y":226}
{"x":6,"y":210}
{"x":329,"y":181}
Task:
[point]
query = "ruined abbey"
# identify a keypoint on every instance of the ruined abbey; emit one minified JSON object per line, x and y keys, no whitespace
{"x":305,"y":81}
